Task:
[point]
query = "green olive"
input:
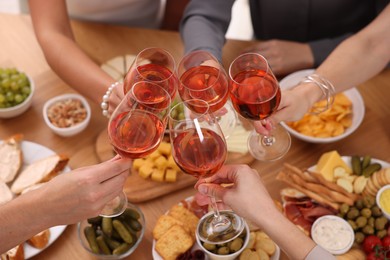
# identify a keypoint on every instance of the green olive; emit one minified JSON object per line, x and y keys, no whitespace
{"x":371,"y":221}
{"x":368,"y":201}
{"x":381,"y":233}
{"x":366,"y":212}
{"x":236,"y":244}
{"x":376,"y":211}
{"x":380,"y":223}
{"x":359,"y":237}
{"x":223,"y":250}
{"x":359,"y":204}
{"x":368,"y":230}
{"x":361,"y":221}
{"x":353,"y":213}
{"x":344,"y":208}
{"x":352,"y":224}
{"x":209,"y":247}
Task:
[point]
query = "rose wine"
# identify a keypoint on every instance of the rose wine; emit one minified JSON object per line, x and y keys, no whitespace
{"x":199,"y":154}
{"x":135,"y":134}
{"x":154,"y":73}
{"x":206,"y":83}
{"x":151,"y":96}
{"x":255,"y":94}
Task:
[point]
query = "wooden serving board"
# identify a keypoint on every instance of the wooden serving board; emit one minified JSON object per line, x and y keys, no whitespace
{"x":139,"y":189}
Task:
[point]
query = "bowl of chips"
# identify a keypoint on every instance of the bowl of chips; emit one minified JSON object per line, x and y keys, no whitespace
{"x":339,"y":121}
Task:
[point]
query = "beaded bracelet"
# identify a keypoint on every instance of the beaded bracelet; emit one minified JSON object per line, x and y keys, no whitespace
{"x":326,"y":87}
{"x":104,"y":104}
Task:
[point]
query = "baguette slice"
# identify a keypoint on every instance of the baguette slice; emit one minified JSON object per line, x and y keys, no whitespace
{"x":39,"y":171}
{"x":40,"y":240}
{"x":16,"y":253}
{"x":5,"y":193}
{"x":10,"y":158}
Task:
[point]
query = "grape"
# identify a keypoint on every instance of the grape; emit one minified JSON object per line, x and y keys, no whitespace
{"x":14,"y":87}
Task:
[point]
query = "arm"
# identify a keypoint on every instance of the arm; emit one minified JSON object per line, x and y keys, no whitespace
{"x":52,"y":28}
{"x":249,"y":198}
{"x":355,"y":60}
{"x":204,"y":25}
{"x":66,"y":199}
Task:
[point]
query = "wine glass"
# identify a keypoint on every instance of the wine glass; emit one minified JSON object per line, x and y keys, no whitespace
{"x":203,"y":77}
{"x":255,"y":95}
{"x":156,"y":65}
{"x":136,"y":128}
{"x":199,"y":149}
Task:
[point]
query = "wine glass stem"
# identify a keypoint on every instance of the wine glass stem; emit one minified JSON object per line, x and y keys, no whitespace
{"x":217,"y":215}
{"x":268,"y":140}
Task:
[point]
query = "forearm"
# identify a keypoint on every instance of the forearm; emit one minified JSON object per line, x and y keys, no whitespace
{"x":73,"y":66}
{"x":21,"y":219}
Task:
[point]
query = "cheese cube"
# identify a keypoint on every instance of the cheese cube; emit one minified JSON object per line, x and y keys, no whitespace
{"x":158,"y":175}
{"x":165,"y":148}
{"x":172,"y":164}
{"x":145,"y":170}
{"x":328,"y":162}
{"x":161,"y":162}
{"x":170,"y":175}
{"x":137,"y":163}
{"x":154,"y":155}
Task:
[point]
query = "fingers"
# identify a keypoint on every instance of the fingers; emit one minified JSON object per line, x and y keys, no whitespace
{"x":112,"y":187}
{"x":264,"y":127}
{"x":112,"y":168}
{"x":212,"y":190}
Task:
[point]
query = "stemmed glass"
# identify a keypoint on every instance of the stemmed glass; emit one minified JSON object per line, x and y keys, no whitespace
{"x":136,"y":128}
{"x":203,"y":77}
{"x":199,"y":149}
{"x":156,"y":65}
{"x":255,"y":95}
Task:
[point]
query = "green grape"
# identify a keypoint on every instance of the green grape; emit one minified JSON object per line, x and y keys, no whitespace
{"x":6,"y":83}
{"x":26,"y":90}
{"x":19,"y":98}
{"x":2,"y":99}
{"x":9,"y":96}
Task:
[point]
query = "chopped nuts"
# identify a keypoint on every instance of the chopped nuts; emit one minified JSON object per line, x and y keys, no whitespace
{"x":67,"y":113}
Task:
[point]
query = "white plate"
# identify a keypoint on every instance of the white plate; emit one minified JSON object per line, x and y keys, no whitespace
{"x":353,"y":94}
{"x":347,"y":160}
{"x":33,"y":152}
{"x":156,"y":256}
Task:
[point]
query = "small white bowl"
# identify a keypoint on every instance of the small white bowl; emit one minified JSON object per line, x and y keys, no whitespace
{"x":327,"y":229}
{"x":378,"y":196}
{"x":353,"y":94}
{"x":233,"y":256}
{"x":22,"y":107}
{"x":72,"y":130}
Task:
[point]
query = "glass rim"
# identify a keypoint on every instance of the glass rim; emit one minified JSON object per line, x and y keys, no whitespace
{"x":168,"y":96}
{"x":183,"y":102}
{"x":172,"y":71}
{"x":247,"y":54}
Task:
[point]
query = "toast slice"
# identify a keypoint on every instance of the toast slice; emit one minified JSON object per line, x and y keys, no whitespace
{"x":5,"y":193}
{"x":39,"y":171}
{"x":11,"y":158}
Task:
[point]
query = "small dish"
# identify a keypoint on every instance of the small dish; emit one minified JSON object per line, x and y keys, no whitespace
{"x":352,"y":94}
{"x":54,"y":116}
{"x":126,"y":217}
{"x":333,"y":233}
{"x":16,"y":110}
{"x":383,"y":200}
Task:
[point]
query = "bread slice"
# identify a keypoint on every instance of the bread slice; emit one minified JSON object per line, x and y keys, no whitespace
{"x":11,"y":158}
{"x":16,"y":253}
{"x":5,"y":193}
{"x":40,"y":240}
{"x":39,"y":171}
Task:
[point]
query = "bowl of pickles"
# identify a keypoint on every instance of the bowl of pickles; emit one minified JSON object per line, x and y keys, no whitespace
{"x":16,"y":92}
{"x":113,"y":238}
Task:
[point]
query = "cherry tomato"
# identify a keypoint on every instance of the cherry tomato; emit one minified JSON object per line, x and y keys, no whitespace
{"x":374,"y":256}
{"x":370,"y":242}
{"x":386,"y":242}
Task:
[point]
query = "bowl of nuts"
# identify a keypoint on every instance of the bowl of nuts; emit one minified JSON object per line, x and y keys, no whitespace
{"x":16,"y":92}
{"x":67,"y":114}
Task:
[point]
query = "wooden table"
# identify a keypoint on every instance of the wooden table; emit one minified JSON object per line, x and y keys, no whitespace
{"x":18,"y":47}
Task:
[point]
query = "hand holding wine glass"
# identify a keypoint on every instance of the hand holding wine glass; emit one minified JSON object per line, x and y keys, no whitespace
{"x":199,"y":149}
{"x":137,"y":127}
{"x":155,"y":65}
{"x":203,"y":77}
{"x":255,"y":95}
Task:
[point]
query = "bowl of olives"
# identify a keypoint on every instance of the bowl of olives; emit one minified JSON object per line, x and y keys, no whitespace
{"x":226,"y":251}
{"x":16,"y":92}
{"x":113,"y":238}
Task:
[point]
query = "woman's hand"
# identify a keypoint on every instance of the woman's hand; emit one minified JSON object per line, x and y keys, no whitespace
{"x":116,"y":97}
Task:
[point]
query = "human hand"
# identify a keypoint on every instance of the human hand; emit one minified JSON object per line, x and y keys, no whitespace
{"x":247,"y":196}
{"x":115,"y":98}
{"x":82,"y":193}
{"x":284,"y":57}
{"x":293,"y":105}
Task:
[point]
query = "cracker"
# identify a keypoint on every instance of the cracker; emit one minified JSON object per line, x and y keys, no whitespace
{"x":174,"y":242}
{"x":164,"y":223}
{"x":182,"y":214}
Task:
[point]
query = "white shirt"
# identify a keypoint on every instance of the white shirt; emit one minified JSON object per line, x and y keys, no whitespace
{"x":137,"y":13}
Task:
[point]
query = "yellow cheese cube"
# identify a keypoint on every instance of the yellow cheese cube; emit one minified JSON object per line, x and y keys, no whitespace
{"x":161,"y":162}
{"x":158,"y":175}
{"x":154,"y":155}
{"x":328,"y":162}
{"x":137,"y":163}
{"x":145,"y":170}
{"x":165,"y":148}
{"x":170,"y":175}
{"x":172,"y":164}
